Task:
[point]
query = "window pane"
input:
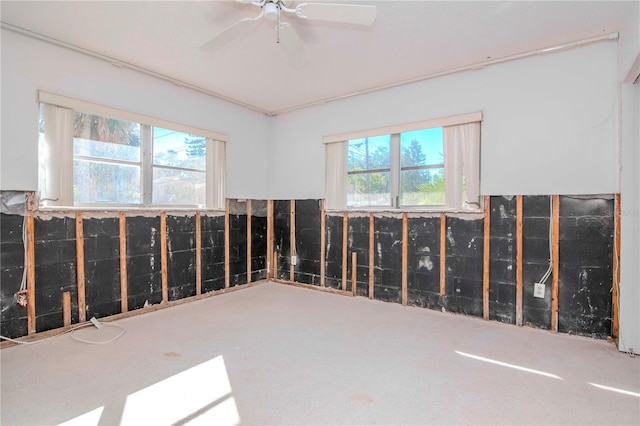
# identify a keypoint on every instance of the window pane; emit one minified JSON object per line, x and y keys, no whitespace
{"x":421,"y":148}
{"x":368,"y":189}
{"x":106,"y":150}
{"x":178,"y":149}
{"x":179,"y":187}
{"x":422,"y":187}
{"x":105,"y":129}
{"x":99,"y":182}
{"x":369,"y":153}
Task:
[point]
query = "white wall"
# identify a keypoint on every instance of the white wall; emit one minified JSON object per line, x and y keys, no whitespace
{"x":628,"y":53}
{"x":629,"y":40}
{"x":29,"y":65}
{"x":630,"y":221}
{"x":549,"y":124}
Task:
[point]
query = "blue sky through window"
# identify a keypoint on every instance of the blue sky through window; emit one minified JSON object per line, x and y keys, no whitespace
{"x":430,"y":141}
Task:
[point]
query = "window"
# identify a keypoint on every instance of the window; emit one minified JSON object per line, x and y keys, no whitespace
{"x":369,"y":171}
{"x":179,"y":167}
{"x":89,"y":159}
{"x":430,"y":164}
{"x":422,"y":168}
{"x":107,"y":161}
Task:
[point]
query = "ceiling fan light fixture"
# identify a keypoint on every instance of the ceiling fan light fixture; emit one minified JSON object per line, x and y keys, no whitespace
{"x":271,"y":11}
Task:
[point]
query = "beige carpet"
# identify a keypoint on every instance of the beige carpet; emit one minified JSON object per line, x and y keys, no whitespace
{"x":276,"y":354}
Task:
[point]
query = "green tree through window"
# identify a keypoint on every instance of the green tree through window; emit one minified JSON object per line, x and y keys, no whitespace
{"x":404,"y":169}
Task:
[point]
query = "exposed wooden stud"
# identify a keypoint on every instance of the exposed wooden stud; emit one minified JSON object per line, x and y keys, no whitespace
{"x":227,"y":277}
{"x":371,"y":253}
{"x":519,"y":283}
{"x":198,"y":253}
{"x":163,"y":257}
{"x":345,"y":241}
{"x":274,"y":260}
{"x":66,"y":309}
{"x":270,"y":257}
{"x":616,"y":268}
{"x":443,"y":254}
{"x":151,"y":308}
{"x":323,"y":241}
{"x":354,"y":273}
{"x":555,"y":260}
{"x":292,"y":239}
{"x":248,"y":241}
{"x":405,"y":260}
{"x":31,"y":277}
{"x":124,"y":302}
{"x":82,"y":309}
{"x":486,"y":257}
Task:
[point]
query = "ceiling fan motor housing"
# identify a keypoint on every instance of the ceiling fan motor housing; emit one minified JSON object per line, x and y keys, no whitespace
{"x":271,"y":10}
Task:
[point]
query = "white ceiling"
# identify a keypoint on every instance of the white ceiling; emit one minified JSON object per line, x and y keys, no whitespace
{"x":409,"y":39}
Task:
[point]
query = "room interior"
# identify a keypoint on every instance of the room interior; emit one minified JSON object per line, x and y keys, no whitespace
{"x":277,"y":270}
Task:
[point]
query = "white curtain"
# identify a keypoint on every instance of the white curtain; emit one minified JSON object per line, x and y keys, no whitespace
{"x":336,"y":176}
{"x":452,"y":167}
{"x":216,"y":174}
{"x":58,"y":156}
{"x":462,"y":158}
{"x":471,"y":159}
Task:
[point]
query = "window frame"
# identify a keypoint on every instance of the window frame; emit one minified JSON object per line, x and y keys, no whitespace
{"x":214,"y":179}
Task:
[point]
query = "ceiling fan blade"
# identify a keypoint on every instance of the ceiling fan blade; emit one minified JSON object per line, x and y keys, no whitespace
{"x":230,"y":33}
{"x":291,"y":43}
{"x":334,"y":12}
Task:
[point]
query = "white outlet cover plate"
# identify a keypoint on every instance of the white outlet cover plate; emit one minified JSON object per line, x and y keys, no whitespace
{"x":538,"y":290}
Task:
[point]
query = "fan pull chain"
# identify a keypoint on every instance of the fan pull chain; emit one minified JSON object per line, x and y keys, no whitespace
{"x":278,"y":28}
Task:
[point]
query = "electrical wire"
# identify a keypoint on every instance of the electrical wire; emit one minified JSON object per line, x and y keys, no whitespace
{"x":546,"y":275}
{"x":77,"y":327}
{"x":72,"y":330}
{"x":122,"y":331}
{"x":23,"y":283}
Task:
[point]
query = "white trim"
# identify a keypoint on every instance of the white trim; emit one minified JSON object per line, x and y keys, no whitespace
{"x":452,"y":120}
{"x":105,"y":111}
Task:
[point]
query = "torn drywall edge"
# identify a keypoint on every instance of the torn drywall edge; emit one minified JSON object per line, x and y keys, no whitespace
{"x":470,"y":215}
{"x":13,"y":202}
{"x":98,"y":214}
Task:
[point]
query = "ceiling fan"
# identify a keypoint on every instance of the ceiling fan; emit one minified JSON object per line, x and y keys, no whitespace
{"x":286,"y":36}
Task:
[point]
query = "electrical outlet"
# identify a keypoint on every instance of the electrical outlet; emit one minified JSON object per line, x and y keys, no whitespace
{"x":538,"y":290}
{"x":294,"y":260}
{"x":21,"y":298}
